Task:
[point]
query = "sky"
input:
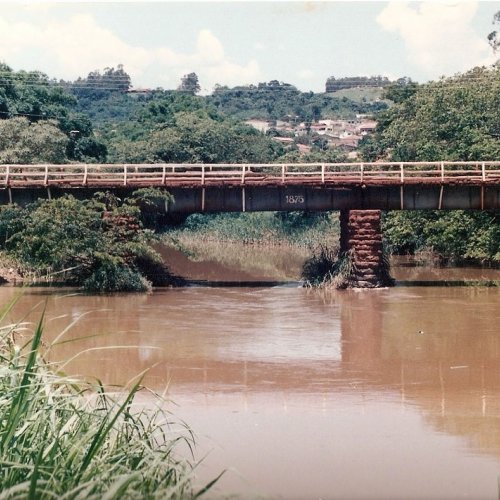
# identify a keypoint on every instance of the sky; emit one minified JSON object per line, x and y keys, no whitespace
{"x":238,"y":42}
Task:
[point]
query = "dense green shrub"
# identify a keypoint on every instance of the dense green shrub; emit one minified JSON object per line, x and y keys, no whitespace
{"x":454,"y":235}
{"x":99,"y":243}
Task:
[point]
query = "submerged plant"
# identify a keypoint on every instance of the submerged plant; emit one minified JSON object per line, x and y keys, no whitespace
{"x":65,"y":439}
{"x":326,"y":269}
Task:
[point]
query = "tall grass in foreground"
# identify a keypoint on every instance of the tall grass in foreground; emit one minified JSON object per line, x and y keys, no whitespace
{"x":61,"y":439}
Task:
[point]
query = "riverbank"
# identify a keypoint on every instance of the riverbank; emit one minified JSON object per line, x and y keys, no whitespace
{"x":297,"y":229}
{"x":73,"y":438}
{"x":10,"y":271}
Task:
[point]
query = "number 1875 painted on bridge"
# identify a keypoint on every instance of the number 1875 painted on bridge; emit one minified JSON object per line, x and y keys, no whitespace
{"x":294,"y":199}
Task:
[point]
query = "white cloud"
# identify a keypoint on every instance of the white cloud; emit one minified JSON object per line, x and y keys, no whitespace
{"x":74,"y":47}
{"x":306,"y":74}
{"x":438,"y":36}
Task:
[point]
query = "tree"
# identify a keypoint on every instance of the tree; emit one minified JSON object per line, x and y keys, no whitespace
{"x":401,"y":90}
{"x":452,"y":235}
{"x":31,"y":94}
{"x":25,"y":142}
{"x":494,"y":36}
{"x":198,"y":138}
{"x":97,"y":85}
{"x":190,"y":84}
{"x":99,"y":244}
{"x":452,"y":119}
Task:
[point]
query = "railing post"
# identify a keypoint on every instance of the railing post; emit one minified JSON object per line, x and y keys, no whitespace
{"x":283,"y":171}
{"x":46,"y":176}
{"x":483,"y":177}
{"x":163,"y":175}
{"x":362,"y":171}
{"x":322,"y":173}
{"x":7,"y":175}
{"x":243,"y":174}
{"x":203,"y":175}
{"x":442,"y":171}
{"x":85,"y":174}
{"x":401,"y":187}
{"x":124,"y":175}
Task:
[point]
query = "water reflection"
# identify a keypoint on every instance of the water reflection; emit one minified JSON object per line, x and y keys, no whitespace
{"x":333,"y":389}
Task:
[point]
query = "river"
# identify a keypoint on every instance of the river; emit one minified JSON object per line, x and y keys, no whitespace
{"x":390,"y":393}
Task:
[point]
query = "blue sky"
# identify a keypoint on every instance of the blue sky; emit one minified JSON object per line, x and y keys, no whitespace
{"x":236,"y":42}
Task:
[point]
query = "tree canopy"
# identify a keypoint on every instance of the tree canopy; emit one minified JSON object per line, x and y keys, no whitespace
{"x":454,"y":118}
{"x":37,"y":113}
{"x":494,"y":36}
{"x":22,"y":141}
{"x":189,"y":83}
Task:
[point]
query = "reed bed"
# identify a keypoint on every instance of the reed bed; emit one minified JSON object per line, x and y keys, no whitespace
{"x":326,"y":269}
{"x":67,"y":439}
{"x":259,"y":228}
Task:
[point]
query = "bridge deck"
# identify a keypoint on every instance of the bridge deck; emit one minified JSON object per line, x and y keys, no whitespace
{"x":227,"y":175}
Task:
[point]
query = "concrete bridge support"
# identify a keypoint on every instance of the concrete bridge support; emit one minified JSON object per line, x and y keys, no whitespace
{"x":361,"y":242}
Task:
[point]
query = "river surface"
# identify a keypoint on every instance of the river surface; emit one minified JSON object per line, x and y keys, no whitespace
{"x":391,"y":393}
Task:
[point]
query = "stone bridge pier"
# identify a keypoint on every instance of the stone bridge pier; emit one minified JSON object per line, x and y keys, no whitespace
{"x":361,"y":242}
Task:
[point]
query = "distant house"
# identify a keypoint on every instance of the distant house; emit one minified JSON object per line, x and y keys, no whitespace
{"x":139,"y":91}
{"x":349,"y":143}
{"x":367,"y":127}
{"x":284,"y":140}
{"x":260,"y":125}
{"x":301,"y":129}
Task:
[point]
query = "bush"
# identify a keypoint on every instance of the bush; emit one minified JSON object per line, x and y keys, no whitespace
{"x":99,"y":244}
{"x":455,"y":235}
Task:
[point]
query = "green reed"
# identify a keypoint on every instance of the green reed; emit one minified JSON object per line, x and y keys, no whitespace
{"x":327,"y":269}
{"x":67,"y":439}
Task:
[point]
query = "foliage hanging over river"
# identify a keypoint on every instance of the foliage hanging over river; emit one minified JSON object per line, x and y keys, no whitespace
{"x":99,"y":244}
{"x":454,"y":235}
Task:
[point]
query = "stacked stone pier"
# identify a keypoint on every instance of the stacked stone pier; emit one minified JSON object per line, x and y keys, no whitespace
{"x":361,"y":242}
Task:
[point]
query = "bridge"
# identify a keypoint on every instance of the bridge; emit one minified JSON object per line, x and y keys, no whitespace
{"x":358,"y":190}
{"x":275,"y":187}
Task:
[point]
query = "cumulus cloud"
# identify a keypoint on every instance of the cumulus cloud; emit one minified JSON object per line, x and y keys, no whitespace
{"x":438,"y":36}
{"x":74,"y":47}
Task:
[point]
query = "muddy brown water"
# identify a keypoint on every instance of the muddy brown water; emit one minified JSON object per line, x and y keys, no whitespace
{"x":392,"y":393}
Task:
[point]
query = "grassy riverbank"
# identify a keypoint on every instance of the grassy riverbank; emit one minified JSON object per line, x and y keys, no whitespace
{"x":66,"y":438}
{"x":260,"y":228}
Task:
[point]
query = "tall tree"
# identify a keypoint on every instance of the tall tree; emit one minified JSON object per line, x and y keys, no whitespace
{"x":190,"y":84}
{"x":494,"y":36}
{"x":24,"y":142}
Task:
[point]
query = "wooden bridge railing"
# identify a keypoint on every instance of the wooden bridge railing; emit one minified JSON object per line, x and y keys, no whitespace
{"x":196,"y":175}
